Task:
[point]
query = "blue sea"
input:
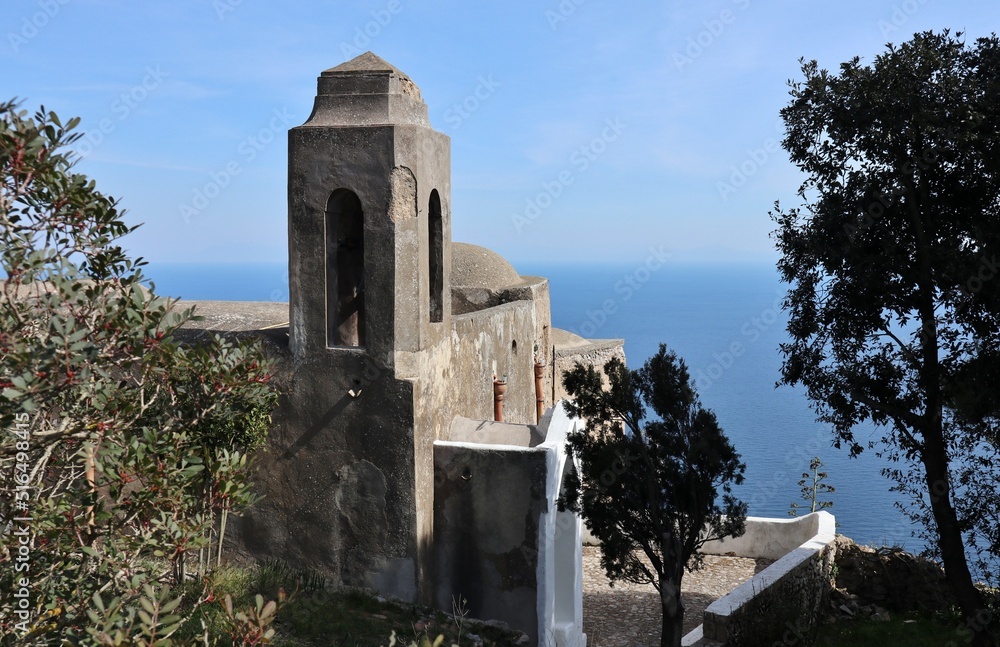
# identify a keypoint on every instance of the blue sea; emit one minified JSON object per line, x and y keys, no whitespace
{"x":724,"y":320}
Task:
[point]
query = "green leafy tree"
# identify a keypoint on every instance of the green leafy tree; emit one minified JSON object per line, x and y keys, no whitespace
{"x":120,"y":448}
{"x":894,"y":302}
{"x":813,"y":485}
{"x":649,"y":488}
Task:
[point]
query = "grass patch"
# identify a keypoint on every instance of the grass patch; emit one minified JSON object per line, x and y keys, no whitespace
{"x":317,"y":615}
{"x":913,"y":630}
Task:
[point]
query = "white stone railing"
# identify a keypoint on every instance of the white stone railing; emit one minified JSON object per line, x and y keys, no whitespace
{"x":771,"y":538}
{"x":783,"y":601}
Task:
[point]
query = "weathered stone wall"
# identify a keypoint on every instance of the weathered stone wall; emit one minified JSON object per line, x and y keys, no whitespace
{"x":499,"y":341}
{"x":332,"y":500}
{"x":432,"y":411}
{"x":489,"y":502}
{"x":788,"y":611}
{"x":348,"y":482}
{"x":594,"y":352}
{"x":428,"y":154}
{"x":538,"y":291}
{"x":891,"y":578}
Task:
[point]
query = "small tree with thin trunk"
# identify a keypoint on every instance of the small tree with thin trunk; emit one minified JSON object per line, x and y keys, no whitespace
{"x":812,"y":486}
{"x":649,"y":488}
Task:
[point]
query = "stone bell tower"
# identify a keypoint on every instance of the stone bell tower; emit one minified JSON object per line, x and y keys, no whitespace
{"x":383,"y":468}
{"x":369,"y":217}
{"x":348,"y":488}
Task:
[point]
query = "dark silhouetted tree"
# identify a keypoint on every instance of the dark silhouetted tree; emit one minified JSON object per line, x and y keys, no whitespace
{"x":892,"y":261}
{"x":649,"y":489}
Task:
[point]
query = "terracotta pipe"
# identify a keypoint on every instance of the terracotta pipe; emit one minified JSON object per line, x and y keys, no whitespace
{"x":539,"y":393}
{"x":499,"y":389}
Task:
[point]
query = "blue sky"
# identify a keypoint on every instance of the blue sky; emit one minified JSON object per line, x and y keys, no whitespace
{"x":581,"y":130}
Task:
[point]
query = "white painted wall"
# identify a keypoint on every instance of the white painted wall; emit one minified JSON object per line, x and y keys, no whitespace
{"x":769,"y":538}
{"x":765,"y":540}
{"x":790,"y":542}
{"x":765,"y":537}
{"x":825,"y":526}
{"x":560,"y":558}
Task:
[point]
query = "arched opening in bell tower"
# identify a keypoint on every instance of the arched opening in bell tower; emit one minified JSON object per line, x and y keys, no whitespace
{"x":435,"y":256}
{"x":345,"y":266}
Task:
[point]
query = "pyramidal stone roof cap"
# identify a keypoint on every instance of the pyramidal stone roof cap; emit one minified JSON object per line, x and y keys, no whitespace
{"x":369,"y":73}
{"x":365,"y":91}
{"x":365,"y":63}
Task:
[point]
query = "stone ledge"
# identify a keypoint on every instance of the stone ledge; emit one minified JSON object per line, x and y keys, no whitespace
{"x":787,"y":597}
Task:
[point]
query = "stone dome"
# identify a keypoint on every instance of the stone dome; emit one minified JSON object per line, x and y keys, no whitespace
{"x":473,"y":266}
